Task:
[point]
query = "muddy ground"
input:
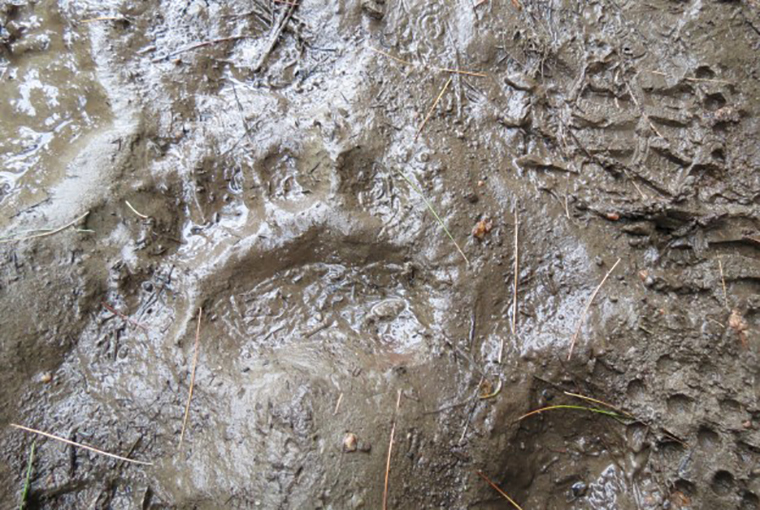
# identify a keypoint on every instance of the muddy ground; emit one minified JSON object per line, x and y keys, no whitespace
{"x":270,"y":164}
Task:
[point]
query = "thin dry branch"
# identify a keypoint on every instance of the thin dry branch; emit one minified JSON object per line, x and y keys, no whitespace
{"x":125,"y":317}
{"x":432,"y":108}
{"x":517,"y":274}
{"x":80,"y":445}
{"x":337,"y":405}
{"x":706,"y":80}
{"x":197,"y":45}
{"x":192,"y":379}
{"x":498,"y":489}
{"x":434,"y":68}
{"x":585,"y":311}
{"x":723,"y":282}
{"x":390,"y":450}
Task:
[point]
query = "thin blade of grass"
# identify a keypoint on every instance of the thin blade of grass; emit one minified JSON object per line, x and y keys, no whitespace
{"x":45,"y":232}
{"x":435,"y":215}
{"x":600,"y":402}
{"x":28,"y":482}
{"x":567,"y":406}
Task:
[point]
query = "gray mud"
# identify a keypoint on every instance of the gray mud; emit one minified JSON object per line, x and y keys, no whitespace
{"x":270,"y":166}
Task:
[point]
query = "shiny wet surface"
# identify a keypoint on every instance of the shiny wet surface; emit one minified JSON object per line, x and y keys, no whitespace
{"x":270,"y":189}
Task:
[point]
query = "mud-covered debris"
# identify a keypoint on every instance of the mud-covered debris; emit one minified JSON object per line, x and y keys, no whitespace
{"x":350,"y":443}
{"x":725,"y":115}
{"x":737,"y":323}
{"x":482,"y":228}
{"x":374,"y":8}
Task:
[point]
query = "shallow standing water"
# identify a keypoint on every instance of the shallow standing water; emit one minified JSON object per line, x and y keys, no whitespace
{"x":270,"y":164}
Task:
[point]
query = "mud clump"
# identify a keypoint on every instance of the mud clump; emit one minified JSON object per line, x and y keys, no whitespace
{"x":306,"y":175}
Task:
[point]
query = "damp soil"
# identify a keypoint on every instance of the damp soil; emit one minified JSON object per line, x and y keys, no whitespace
{"x":272,"y":165}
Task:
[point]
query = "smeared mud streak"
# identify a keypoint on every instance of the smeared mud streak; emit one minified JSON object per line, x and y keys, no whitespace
{"x":269,"y":147}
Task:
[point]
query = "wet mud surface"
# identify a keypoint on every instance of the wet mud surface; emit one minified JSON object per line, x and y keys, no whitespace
{"x":270,"y":164}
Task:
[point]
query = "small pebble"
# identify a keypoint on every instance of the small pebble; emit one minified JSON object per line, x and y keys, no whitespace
{"x":579,"y":489}
{"x":46,"y":377}
{"x":349,"y":443}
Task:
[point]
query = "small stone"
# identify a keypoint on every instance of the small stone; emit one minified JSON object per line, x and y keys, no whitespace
{"x":350,"y":443}
{"x":579,"y":489}
{"x":46,"y":377}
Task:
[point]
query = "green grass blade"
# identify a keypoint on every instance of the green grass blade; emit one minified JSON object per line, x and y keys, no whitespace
{"x":435,"y":214}
{"x":28,"y":482}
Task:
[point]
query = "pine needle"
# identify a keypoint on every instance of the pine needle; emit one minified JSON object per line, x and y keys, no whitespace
{"x":80,"y":445}
{"x":192,"y":379}
{"x":498,"y":489}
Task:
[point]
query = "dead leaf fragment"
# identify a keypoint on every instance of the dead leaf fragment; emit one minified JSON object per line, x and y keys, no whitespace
{"x":737,"y":323}
{"x":482,"y":228}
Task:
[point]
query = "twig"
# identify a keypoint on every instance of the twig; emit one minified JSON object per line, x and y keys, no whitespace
{"x":397,"y":59}
{"x":514,"y":295}
{"x":28,"y":482}
{"x":143,"y":216}
{"x":435,"y":214}
{"x":79,"y":445}
{"x":105,"y":18}
{"x":434,"y":68}
{"x":125,"y":317}
{"x":708,"y":80}
{"x":43,"y":234}
{"x":517,"y":271}
{"x":337,"y":405}
{"x":514,"y":288}
{"x":199,"y":45}
{"x":192,"y":378}
{"x":275,"y":36}
{"x":723,"y":282}
{"x":430,"y":112}
{"x":644,"y":114}
{"x":588,"y":305}
{"x":497,"y":489}
{"x":390,"y":449}
{"x":475,"y":402}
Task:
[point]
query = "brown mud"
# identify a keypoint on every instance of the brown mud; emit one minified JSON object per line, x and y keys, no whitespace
{"x":264,"y":151}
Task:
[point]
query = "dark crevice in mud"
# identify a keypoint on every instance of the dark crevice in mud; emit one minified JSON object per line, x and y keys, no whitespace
{"x":277,"y":164}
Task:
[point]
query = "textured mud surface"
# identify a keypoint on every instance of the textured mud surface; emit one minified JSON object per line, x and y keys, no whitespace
{"x":266,"y":172}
